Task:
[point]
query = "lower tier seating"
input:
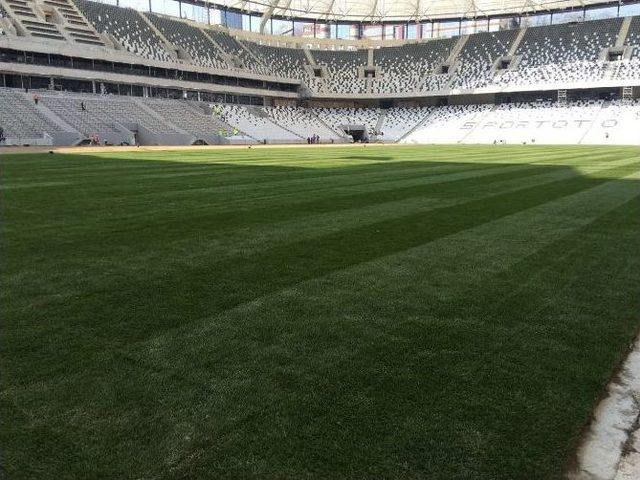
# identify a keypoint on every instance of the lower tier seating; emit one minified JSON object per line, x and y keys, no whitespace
{"x":66,"y":118}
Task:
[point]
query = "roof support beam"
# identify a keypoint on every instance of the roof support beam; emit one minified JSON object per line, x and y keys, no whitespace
{"x":269,"y":12}
{"x":417,"y":11}
{"x":374,"y":7}
{"x":329,"y":10}
{"x":267,"y":15}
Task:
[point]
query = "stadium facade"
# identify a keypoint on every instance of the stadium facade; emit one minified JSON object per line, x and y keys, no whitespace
{"x":77,"y":71}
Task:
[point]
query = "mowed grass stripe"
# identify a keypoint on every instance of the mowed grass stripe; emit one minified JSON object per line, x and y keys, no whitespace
{"x":213,"y":202}
{"x":494,"y":248}
{"x":96,"y":168}
{"x":387,"y":341}
{"x":420,"y":362}
{"x":245,"y":240}
{"x":195,"y":291}
{"x":240,"y":214}
{"x":210,"y":248}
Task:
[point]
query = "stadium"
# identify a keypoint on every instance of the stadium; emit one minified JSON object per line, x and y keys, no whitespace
{"x":320,"y":239}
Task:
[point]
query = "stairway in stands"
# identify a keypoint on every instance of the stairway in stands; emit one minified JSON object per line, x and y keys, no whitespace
{"x":51,"y":20}
{"x":77,"y":26}
{"x":31,"y":20}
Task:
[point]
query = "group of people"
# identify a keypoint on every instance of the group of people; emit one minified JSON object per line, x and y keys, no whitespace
{"x":313,"y":139}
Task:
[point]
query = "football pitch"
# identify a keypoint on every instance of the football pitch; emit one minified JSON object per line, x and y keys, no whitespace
{"x":433,"y":312}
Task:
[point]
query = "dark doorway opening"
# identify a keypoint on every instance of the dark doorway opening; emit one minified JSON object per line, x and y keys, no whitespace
{"x":359,"y":135}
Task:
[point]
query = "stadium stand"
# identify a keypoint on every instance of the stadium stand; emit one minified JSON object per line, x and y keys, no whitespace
{"x":115,"y":119}
{"x":567,"y":43}
{"x":405,"y":68}
{"x":256,"y":123}
{"x":633,"y":38}
{"x":76,"y":27}
{"x":304,"y":123}
{"x":447,"y":124}
{"x":399,"y":121}
{"x":191,"y":39}
{"x":196,"y":119}
{"x":629,"y":68}
{"x":281,"y":61}
{"x":342,"y":67}
{"x":128,"y":119}
{"x":3,"y":14}
{"x":478,"y":57}
{"x":243,"y":57}
{"x":580,"y":122}
{"x":539,"y":122}
{"x":563,"y":53}
{"x":23,"y":121}
{"x":340,"y":119}
{"x":89,"y":121}
{"x":521,"y":72}
{"x":31,"y":21}
{"x":127,"y":27}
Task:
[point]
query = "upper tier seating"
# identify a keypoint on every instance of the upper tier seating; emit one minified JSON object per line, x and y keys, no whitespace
{"x":567,"y":43}
{"x":405,"y":68}
{"x":127,"y":27}
{"x":191,"y":39}
{"x":478,"y":56}
{"x":633,"y":38}
{"x":3,"y":14}
{"x":241,"y":55}
{"x":562,"y":53}
{"x":580,"y":72}
{"x":27,"y":14}
{"x":342,"y":67}
{"x":280,"y":61}
{"x":556,"y":54}
{"x":75,"y":26}
{"x":630,"y":69}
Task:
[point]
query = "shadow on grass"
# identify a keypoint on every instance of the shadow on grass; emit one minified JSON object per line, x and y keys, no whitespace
{"x":220,"y":284}
{"x":87,"y":365}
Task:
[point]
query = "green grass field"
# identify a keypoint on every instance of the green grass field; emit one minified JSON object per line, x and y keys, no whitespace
{"x":312,"y":313}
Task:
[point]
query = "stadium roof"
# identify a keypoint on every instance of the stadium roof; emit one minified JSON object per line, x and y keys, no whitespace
{"x":389,"y":10}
